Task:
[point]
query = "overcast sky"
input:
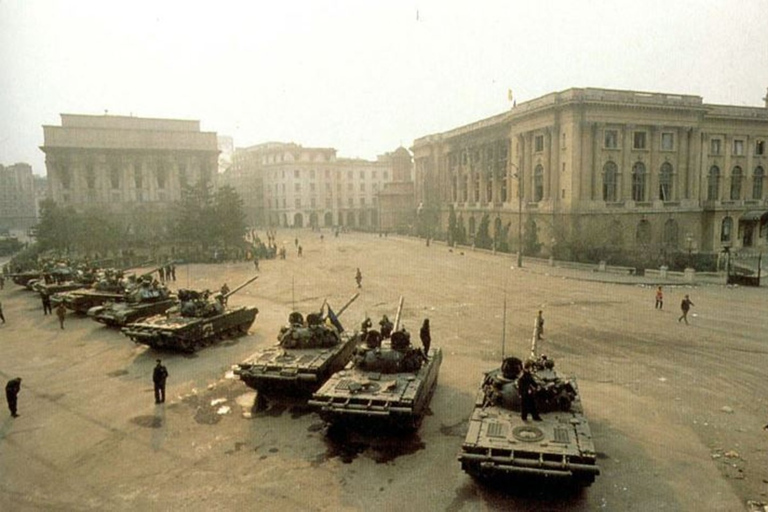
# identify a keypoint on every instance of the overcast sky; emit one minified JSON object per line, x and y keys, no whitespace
{"x":363,"y":77}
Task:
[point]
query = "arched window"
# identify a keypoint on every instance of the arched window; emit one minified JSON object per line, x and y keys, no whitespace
{"x":162,"y":175}
{"x":610,"y":178}
{"x":114,"y":176}
{"x":757,"y":183}
{"x":665,"y":182}
{"x":725,"y":229}
{"x":671,"y":233}
{"x":736,"y":178}
{"x":471,"y":225}
{"x":713,"y":184}
{"x":137,"y":177}
{"x":643,"y":232}
{"x":538,"y":183}
{"x":65,"y":176}
{"x":90,"y":176}
{"x":638,"y":182}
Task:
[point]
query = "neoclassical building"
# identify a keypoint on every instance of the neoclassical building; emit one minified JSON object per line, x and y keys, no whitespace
{"x":18,"y":208}
{"x":605,"y":168}
{"x":131,"y":166}
{"x":288,"y":185}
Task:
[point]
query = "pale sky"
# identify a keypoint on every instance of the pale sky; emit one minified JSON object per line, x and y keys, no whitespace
{"x":361,"y":76}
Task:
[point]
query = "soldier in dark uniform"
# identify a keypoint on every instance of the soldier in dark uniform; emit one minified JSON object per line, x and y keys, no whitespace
{"x":46,"y":298}
{"x":359,"y":278}
{"x":426,"y":337}
{"x":526,"y":386}
{"x":61,"y":312}
{"x":2,"y":316}
{"x":158,"y":377}
{"x":12,"y":389}
{"x":386,"y":327}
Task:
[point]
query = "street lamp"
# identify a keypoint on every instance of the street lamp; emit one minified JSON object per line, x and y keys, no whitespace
{"x":518,"y":176}
{"x":689,"y":244}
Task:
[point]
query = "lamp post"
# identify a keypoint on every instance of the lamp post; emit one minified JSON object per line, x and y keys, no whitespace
{"x":518,"y":176}
{"x":689,"y":244}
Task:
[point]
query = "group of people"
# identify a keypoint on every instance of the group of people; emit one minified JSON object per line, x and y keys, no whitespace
{"x":167,"y":273}
{"x":685,"y":305}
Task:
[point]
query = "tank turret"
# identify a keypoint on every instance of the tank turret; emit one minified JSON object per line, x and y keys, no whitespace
{"x":200,"y":319}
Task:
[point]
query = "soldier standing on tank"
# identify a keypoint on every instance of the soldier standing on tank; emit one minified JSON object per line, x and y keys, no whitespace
{"x":426,"y":337}
{"x":527,"y":386}
{"x":359,"y":278}
{"x":367,"y":324}
{"x":61,"y":312}
{"x":159,"y":374}
{"x":385,"y":327}
{"x":12,"y":389}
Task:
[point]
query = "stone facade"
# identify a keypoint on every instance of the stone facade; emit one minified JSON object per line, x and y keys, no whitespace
{"x":18,"y":208}
{"x":288,"y":185}
{"x":606,"y":168}
{"x":125,"y":165}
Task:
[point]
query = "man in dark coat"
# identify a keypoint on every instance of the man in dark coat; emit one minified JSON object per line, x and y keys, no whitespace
{"x":158,"y":377}
{"x":12,"y":389}
{"x":526,"y":386}
{"x":426,"y":337}
{"x":685,"y":306}
{"x":46,"y":298}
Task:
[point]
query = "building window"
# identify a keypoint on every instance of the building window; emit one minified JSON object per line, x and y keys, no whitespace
{"x":725,"y":230}
{"x":715,"y":146}
{"x":312,"y":186}
{"x":350,"y":187}
{"x":538,"y":142}
{"x":610,"y":179}
{"x":713,"y":184}
{"x":90,"y":177}
{"x":137,"y":177}
{"x":671,"y":234}
{"x":362,"y":175}
{"x":643,"y":232}
{"x":736,"y":179}
{"x":665,"y":182}
{"x":350,"y":175}
{"x":296,"y":173}
{"x":161,"y":175}
{"x":312,"y":174}
{"x":759,"y":147}
{"x":667,"y":141}
{"x":297,"y":202}
{"x":639,"y":140}
{"x":65,"y":177}
{"x":313,"y":202}
{"x":385,"y":175}
{"x":328,"y":203}
{"x":538,"y":183}
{"x":362,"y":202}
{"x":611,"y":139}
{"x":373,"y":174}
{"x":297,"y":187}
{"x":738,"y":147}
{"x":362,"y":187}
{"x":638,"y":182}
{"x":114,"y":176}
{"x":351,"y":202}
{"x":282,"y":186}
{"x":757,"y":183}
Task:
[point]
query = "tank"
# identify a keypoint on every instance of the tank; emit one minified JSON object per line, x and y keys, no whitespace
{"x":110,"y":285}
{"x":143,"y":299}
{"x":63,"y":279}
{"x":200,"y":319}
{"x":500,"y":445}
{"x":388,"y":384}
{"x":307,"y":353}
{"x":23,"y":277}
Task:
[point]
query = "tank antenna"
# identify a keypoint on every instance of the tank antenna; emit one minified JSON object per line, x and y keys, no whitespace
{"x":504,"y":326}
{"x":293,"y":295}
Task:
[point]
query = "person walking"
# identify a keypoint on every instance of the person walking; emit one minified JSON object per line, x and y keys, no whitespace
{"x":61,"y":312}
{"x":12,"y":389}
{"x":539,"y":325}
{"x":256,"y":262}
{"x":685,"y":306}
{"x":159,"y":375}
{"x":526,"y":385}
{"x":359,"y":278}
{"x":426,"y":337}
{"x":659,"y":298}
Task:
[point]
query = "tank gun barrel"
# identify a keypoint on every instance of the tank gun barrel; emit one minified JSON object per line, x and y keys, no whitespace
{"x":238,"y":288}
{"x":399,"y":314}
{"x":349,"y":302}
{"x":534,"y":339}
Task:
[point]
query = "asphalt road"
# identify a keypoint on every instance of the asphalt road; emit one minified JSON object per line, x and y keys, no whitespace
{"x":676,"y":411}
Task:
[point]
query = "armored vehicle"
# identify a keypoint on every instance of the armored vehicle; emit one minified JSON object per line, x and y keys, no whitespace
{"x":110,"y":285}
{"x":143,"y":299}
{"x":23,"y":277}
{"x":307,"y":353}
{"x":388,"y":384}
{"x":200,"y":319}
{"x":63,"y":279}
{"x":500,"y":445}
